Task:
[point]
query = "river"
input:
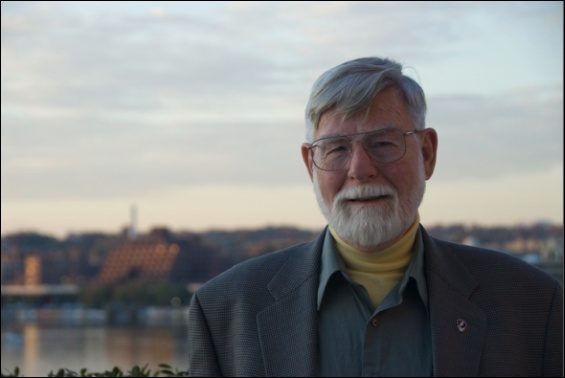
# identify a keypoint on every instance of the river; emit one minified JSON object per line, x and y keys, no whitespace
{"x":38,"y":349}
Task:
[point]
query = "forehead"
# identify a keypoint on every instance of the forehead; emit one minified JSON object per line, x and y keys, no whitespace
{"x":387,"y":110}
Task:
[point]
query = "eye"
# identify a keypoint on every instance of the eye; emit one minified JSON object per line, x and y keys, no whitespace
{"x":380,"y":144}
{"x":383,"y":140}
{"x":335,"y":147}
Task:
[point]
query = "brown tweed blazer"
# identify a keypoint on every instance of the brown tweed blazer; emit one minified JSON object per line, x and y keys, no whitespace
{"x":259,"y":317}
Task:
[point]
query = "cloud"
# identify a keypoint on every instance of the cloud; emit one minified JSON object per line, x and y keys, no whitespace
{"x":489,"y":136}
{"x":104,"y":101}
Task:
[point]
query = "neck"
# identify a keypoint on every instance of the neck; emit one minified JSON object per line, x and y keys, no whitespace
{"x":379,"y":271}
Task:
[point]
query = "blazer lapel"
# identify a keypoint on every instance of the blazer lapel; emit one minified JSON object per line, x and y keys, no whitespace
{"x":288,"y":328}
{"x":458,"y":331}
{"x":288,"y":333}
{"x":458,"y":325}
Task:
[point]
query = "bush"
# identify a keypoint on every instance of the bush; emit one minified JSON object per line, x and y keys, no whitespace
{"x":138,"y":292}
{"x":164,"y":370}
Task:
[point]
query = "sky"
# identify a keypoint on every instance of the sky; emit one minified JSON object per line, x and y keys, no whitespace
{"x":192,"y":113}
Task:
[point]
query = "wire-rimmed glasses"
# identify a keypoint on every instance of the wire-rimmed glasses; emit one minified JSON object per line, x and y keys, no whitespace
{"x":332,"y":153}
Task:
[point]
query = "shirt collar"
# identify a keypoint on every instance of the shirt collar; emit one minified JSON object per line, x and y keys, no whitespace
{"x":329,"y":265}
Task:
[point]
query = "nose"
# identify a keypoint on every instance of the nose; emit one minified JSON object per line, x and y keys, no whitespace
{"x":362,"y":167}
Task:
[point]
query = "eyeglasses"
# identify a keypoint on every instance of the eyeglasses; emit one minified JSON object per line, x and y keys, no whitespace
{"x":383,"y":146}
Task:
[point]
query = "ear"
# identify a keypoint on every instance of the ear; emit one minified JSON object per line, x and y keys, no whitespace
{"x":307,"y":157}
{"x":429,"y":151}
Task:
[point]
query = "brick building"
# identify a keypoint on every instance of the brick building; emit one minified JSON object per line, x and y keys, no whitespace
{"x":160,"y":255}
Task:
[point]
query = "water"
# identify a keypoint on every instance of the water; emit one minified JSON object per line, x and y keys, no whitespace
{"x":38,"y":349}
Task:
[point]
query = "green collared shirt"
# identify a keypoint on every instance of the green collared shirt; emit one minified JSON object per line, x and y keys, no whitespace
{"x":355,"y":339}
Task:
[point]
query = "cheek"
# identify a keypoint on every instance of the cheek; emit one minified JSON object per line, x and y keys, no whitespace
{"x":403,"y":176}
{"x":329,"y":183}
{"x":411,"y":181}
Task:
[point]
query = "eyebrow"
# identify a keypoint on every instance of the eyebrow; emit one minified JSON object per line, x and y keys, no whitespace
{"x":337,"y":135}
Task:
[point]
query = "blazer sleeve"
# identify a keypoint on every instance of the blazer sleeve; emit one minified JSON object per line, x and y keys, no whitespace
{"x":202,"y":359}
{"x":553,"y":353}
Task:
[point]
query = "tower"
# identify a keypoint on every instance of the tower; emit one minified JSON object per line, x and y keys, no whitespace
{"x":132,"y":232}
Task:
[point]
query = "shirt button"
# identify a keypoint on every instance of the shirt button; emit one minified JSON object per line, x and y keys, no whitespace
{"x":375,"y":322}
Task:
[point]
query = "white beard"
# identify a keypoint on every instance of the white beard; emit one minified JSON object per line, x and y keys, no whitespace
{"x":373,"y":224}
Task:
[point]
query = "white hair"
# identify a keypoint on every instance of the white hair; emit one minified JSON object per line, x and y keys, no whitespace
{"x":371,"y":225}
{"x":351,"y":87}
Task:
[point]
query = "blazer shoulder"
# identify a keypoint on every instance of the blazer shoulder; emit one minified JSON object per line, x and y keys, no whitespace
{"x":257,"y":271}
{"x":495,"y":265}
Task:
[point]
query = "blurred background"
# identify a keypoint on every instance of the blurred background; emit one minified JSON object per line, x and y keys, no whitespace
{"x":148,"y":146}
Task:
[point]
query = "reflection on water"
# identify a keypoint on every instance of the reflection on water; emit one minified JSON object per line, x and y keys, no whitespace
{"x":38,"y":349}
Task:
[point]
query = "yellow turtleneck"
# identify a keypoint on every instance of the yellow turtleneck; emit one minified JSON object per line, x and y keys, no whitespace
{"x":378,"y":271}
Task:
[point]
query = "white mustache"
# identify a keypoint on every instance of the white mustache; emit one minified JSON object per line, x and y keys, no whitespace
{"x":364,"y":191}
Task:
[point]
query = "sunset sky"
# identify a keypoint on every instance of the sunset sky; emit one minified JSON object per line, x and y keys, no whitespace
{"x":193,"y":111}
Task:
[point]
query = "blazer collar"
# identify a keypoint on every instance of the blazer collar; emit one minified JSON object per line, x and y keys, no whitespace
{"x":458,"y":325}
{"x":302,"y":265}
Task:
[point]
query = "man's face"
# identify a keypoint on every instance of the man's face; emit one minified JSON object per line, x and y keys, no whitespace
{"x":369,"y":204}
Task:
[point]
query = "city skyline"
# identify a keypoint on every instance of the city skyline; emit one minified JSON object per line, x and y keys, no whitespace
{"x":193,"y":112}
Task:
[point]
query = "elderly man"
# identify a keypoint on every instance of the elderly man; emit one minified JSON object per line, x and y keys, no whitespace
{"x":375,"y":295}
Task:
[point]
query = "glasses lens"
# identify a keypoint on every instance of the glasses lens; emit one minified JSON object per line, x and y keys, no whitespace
{"x":385,"y":146}
{"x":332,"y":153}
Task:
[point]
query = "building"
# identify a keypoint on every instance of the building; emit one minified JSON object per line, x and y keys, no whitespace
{"x":162,"y":256}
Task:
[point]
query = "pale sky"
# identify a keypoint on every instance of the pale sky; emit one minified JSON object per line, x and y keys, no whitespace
{"x":193,"y":111}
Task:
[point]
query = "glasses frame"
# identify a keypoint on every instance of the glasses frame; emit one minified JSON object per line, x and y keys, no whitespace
{"x":351,"y":141}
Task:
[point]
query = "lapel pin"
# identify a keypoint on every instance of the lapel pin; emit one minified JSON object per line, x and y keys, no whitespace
{"x":462,"y":325}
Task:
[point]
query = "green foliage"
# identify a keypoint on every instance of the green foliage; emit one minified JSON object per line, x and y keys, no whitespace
{"x":33,"y":242}
{"x":136,"y":371}
{"x":135,"y":292}
{"x":95,"y":296}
